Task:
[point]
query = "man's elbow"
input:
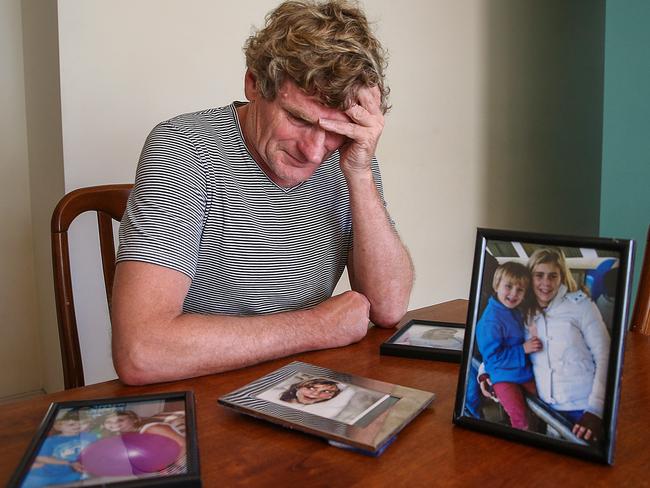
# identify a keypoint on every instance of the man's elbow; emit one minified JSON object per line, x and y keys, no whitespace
{"x":131,"y":376}
{"x":132,"y":364}
{"x":387,"y":317}
{"x":389,"y":310}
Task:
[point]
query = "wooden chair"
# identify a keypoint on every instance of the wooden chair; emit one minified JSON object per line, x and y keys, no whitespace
{"x":109,"y":201}
{"x":641,"y":315}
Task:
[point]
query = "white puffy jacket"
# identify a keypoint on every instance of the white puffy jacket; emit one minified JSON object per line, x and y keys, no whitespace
{"x":571,"y":370}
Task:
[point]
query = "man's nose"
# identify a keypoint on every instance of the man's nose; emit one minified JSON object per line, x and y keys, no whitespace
{"x":312,"y":145}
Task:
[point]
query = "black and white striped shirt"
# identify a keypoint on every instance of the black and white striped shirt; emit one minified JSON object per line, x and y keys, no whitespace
{"x":202,"y":206}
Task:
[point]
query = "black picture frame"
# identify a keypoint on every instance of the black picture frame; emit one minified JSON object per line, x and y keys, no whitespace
{"x":105,"y":455}
{"x":422,"y":347}
{"x":361,"y":414}
{"x":562,"y":333}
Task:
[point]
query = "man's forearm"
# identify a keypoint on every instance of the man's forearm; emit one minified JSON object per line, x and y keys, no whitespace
{"x":187,"y":345}
{"x":380,"y":267}
{"x":154,"y":341}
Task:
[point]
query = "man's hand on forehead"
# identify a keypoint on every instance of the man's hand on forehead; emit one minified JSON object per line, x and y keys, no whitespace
{"x":370,"y":98}
{"x":363,"y":130}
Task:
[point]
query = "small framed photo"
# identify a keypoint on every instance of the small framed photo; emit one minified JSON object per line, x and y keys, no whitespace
{"x":426,"y":339}
{"x":349,"y":411}
{"x":122,"y":441}
{"x":544,"y":342}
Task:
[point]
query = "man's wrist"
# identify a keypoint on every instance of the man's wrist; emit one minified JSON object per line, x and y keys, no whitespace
{"x":359,"y":179}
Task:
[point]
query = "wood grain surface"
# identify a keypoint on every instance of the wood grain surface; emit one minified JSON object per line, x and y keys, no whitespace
{"x":237,"y":450}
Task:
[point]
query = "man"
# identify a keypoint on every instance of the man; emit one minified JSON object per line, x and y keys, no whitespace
{"x":243,"y":218}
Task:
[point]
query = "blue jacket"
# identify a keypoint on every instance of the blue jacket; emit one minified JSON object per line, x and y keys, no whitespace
{"x":500,"y":338}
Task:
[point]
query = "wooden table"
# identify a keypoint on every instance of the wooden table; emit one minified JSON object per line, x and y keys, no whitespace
{"x":236,"y":450}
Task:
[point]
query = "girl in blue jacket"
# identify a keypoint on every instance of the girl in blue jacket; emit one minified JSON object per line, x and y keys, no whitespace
{"x":501,"y":342}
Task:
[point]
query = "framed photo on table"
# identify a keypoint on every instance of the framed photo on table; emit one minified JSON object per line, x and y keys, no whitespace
{"x":121,"y":441}
{"x":350,"y":411}
{"x":426,"y":339}
{"x":544,"y":342}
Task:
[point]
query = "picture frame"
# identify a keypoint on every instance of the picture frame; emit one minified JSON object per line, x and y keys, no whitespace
{"x":350,"y":411}
{"x":134,"y":441}
{"x":563,"y":342}
{"x":426,"y":339}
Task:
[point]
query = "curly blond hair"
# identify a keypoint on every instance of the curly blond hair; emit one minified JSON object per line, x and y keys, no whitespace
{"x":327,"y":49}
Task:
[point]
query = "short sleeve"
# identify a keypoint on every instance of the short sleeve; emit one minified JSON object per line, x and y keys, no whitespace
{"x":376,"y":175}
{"x":166,"y":210}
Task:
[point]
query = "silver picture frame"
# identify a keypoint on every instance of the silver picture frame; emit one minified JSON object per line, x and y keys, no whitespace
{"x":353,"y":411}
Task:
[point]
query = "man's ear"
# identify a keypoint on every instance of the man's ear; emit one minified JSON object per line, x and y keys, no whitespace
{"x":250,"y":86}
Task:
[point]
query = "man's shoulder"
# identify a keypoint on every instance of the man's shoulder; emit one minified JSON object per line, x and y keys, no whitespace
{"x":211,"y":117}
{"x":209,"y":133}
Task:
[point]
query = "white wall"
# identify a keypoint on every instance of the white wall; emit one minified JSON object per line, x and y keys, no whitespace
{"x":432,"y":147}
{"x":462,"y":147}
{"x":125,"y":66}
{"x":19,"y":347}
{"x":44,"y":133}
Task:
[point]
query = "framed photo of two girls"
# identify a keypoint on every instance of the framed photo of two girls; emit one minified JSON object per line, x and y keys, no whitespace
{"x":543,"y":349}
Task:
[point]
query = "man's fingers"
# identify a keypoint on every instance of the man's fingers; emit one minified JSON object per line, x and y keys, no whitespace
{"x":366,"y":114}
{"x":339,"y":127}
{"x":370,"y":99}
{"x":360,"y":115}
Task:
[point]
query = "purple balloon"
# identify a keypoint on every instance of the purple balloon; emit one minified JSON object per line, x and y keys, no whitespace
{"x":129,"y":454}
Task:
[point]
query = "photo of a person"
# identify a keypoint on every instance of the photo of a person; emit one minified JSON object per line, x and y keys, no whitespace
{"x":543,"y":332}
{"x":118,"y":422}
{"x":500,"y":338}
{"x":94,"y":445}
{"x":433,"y":336}
{"x":311,"y":391}
{"x":124,"y":421}
{"x":324,"y":397}
{"x":571,"y":370}
{"x":57,"y":460}
{"x":545,"y":339}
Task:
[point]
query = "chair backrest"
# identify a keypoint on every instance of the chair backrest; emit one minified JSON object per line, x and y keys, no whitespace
{"x":109,"y":201}
{"x":641,"y":315}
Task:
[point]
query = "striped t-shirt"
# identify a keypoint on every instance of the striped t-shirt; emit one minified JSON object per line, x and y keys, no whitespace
{"x":202,"y":206}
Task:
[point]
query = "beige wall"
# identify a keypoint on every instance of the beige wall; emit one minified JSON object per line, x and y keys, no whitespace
{"x":44,"y":132}
{"x":20,"y":361}
{"x":480,"y":94}
{"x":121,"y":75}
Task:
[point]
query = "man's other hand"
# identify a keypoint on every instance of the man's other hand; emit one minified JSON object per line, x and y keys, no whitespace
{"x":344,"y":319}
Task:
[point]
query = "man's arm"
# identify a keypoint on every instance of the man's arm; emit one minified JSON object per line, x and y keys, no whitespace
{"x":154,"y":341}
{"x":379,"y":265}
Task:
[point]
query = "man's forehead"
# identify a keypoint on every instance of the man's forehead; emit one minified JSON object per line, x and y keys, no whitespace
{"x":307,"y":107}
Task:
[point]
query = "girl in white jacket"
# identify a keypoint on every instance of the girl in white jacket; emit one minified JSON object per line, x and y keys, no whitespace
{"x":571,"y":369}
